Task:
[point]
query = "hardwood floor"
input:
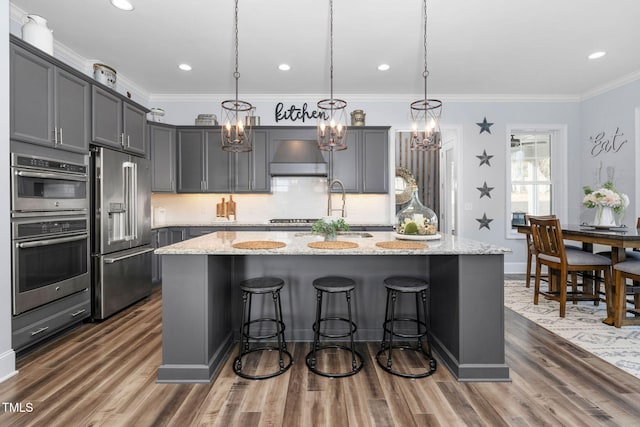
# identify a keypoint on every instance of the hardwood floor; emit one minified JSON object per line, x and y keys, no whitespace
{"x":104,"y":375}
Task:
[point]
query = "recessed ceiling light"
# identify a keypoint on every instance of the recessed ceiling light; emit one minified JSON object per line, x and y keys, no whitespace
{"x":596,"y":55}
{"x":284,"y":67}
{"x":122,"y":4}
{"x":383,"y":67}
{"x":185,"y":67}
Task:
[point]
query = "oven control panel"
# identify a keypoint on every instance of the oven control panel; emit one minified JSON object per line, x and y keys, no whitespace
{"x":24,"y":230}
{"x":48,"y":164}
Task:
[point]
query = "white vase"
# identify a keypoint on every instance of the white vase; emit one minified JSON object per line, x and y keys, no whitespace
{"x":36,"y":32}
{"x":605,"y":216}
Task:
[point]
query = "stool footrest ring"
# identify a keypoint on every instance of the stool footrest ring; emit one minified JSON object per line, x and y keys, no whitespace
{"x":432,"y":361}
{"x":311,"y":364}
{"x":354,"y":328}
{"x":237,"y":363}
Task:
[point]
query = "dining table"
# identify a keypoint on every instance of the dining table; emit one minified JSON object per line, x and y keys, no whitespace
{"x":619,"y":239}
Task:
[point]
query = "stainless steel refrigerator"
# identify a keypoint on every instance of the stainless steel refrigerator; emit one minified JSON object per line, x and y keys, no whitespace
{"x":121,"y":230}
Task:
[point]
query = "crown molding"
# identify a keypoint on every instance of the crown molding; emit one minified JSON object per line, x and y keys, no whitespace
{"x":624,"y":80}
{"x":209,"y":97}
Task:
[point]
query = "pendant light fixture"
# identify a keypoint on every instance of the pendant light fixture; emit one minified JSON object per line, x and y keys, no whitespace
{"x":236,"y":114}
{"x":425,"y":113}
{"x":332,"y":122}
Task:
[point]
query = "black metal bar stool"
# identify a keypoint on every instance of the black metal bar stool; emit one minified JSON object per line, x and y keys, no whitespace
{"x":260,"y":286}
{"x":333,"y":285}
{"x":397,"y":285}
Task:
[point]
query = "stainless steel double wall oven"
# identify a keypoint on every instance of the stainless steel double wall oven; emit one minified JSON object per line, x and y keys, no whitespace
{"x":49,"y":229}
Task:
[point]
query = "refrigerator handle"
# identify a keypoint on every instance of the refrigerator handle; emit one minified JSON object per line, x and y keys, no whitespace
{"x":131,"y":197}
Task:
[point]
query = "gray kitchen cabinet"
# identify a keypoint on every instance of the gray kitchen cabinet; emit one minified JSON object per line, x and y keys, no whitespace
{"x":177,"y":234}
{"x":218,"y":164}
{"x":374,"y":144}
{"x":191,"y":146}
{"x":251,"y":170}
{"x":49,"y":106}
{"x":159,"y":238}
{"x":347,"y":164}
{"x":364,"y":166}
{"x":162,"y":150}
{"x":117,"y":123}
{"x":202,"y":165}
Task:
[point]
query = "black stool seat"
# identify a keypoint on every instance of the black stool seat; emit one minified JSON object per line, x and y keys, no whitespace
{"x":406,"y":284}
{"x":334,"y":284}
{"x":262,"y":285}
{"x":415,"y":327}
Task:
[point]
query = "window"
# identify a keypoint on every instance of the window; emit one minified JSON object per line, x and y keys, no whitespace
{"x":534,"y":182}
{"x":531,"y":173}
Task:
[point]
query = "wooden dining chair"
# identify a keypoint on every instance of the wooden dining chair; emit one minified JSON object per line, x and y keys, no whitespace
{"x":621,"y":272}
{"x":551,"y":252}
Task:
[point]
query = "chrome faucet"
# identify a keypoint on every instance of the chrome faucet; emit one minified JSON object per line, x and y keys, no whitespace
{"x":343,"y":210}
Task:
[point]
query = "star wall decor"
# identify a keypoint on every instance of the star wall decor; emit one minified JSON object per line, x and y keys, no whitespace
{"x":484,"y":158}
{"x":485,"y":190}
{"x":485,"y":126}
{"x":484,"y":222}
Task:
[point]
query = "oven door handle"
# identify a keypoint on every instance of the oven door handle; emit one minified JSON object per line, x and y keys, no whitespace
{"x":49,"y":242}
{"x":120,"y":258}
{"x":49,"y":175}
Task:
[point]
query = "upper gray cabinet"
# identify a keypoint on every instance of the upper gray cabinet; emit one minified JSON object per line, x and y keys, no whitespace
{"x":162,"y":149}
{"x":117,"y":123}
{"x":374,"y":145}
{"x":251,"y":170}
{"x":364,"y":166}
{"x":202,"y":165}
{"x":49,"y":106}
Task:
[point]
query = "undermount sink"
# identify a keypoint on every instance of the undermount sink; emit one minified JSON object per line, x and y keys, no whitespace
{"x":340,"y":233}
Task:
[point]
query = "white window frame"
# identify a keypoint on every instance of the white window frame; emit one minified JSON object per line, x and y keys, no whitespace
{"x":559,"y":174}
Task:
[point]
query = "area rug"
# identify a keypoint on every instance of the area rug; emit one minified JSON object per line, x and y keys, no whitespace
{"x":582,"y":326}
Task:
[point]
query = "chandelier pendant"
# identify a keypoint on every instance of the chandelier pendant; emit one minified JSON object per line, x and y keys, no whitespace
{"x":425,"y":113}
{"x":236,"y":115}
{"x":332,"y":120}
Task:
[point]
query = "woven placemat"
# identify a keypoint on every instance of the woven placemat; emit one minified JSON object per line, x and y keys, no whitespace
{"x":259,"y":244}
{"x":333,"y":245}
{"x":394,"y":244}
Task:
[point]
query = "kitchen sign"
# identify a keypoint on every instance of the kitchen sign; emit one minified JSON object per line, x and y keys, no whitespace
{"x":294,"y":113}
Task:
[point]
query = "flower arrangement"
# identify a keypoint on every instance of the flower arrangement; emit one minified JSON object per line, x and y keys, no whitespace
{"x":607,"y":196}
{"x":417,"y":224}
{"x":329,"y":227}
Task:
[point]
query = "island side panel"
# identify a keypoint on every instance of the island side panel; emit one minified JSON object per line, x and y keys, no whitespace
{"x":196,"y":327}
{"x":299,"y":297}
{"x":468,"y":315}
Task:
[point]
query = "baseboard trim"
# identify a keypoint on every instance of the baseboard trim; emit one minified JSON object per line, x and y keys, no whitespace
{"x":7,"y":365}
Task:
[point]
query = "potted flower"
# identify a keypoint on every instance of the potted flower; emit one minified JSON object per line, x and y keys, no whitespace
{"x":607,"y":200}
{"x":329,"y":228}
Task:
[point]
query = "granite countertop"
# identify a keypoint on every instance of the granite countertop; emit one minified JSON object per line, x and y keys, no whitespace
{"x":251,"y":224}
{"x":221,"y":243}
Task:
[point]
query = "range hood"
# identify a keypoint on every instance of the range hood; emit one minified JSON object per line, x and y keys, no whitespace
{"x":298,"y":157}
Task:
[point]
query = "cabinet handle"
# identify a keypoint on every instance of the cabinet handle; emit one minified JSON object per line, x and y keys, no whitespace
{"x":55,"y":136}
{"x":59,"y":135}
{"x":128,"y":143}
{"x":77,"y":313}
{"x":39,"y":331}
{"x":122,"y":139}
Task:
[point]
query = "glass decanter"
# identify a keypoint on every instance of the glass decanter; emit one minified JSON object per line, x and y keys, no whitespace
{"x":416,"y":219}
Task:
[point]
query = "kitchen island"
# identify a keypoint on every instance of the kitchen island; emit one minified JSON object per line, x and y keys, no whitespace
{"x":202,"y":302}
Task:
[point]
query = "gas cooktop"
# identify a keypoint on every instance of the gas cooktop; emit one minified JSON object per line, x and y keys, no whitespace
{"x":292,"y":221}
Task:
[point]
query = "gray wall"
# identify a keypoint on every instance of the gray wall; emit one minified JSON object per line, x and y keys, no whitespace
{"x":7,"y":356}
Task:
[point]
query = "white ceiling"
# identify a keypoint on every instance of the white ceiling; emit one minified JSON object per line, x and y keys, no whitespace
{"x":489,"y":47}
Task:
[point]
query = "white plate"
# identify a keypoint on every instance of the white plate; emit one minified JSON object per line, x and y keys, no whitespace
{"x":417,"y":236}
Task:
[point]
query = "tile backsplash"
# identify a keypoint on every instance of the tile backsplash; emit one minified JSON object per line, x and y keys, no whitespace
{"x":291,"y":197}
